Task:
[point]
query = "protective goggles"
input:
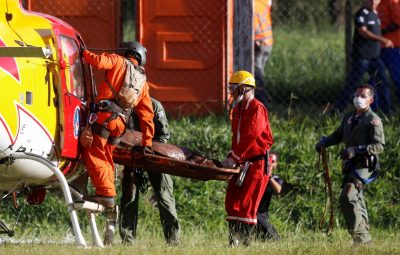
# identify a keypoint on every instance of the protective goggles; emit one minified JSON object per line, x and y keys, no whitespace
{"x":233,"y":87}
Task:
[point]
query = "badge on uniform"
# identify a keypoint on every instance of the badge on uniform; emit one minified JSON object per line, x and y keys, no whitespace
{"x":350,"y":120}
{"x":376,"y":122}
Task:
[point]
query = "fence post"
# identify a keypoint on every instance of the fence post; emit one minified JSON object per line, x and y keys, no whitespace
{"x":333,"y":11}
{"x":243,"y":46}
{"x":348,"y":35}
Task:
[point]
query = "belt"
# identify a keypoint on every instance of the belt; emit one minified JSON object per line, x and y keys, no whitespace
{"x":264,"y":157}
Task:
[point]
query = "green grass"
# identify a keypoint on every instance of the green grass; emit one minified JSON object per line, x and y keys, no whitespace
{"x":200,"y":205}
{"x":198,"y":242}
{"x":307,"y":66}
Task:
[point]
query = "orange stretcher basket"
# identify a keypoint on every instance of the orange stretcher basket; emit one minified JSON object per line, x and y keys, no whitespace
{"x":170,"y":159}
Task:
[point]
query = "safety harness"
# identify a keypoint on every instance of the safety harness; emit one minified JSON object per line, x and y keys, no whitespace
{"x":116,"y":111}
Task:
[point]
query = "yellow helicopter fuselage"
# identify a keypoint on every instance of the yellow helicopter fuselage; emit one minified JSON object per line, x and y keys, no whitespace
{"x":42,"y":96}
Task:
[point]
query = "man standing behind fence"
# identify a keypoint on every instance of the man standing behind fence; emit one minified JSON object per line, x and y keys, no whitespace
{"x":389,"y":14}
{"x":263,"y":41}
{"x":367,"y":42}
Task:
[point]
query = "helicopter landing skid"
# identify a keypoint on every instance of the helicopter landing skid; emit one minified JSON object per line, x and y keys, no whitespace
{"x":4,"y":229}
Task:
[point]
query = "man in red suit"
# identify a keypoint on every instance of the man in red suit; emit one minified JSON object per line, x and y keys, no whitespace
{"x":251,"y":141}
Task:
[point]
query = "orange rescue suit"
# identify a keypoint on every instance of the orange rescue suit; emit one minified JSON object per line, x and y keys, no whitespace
{"x":98,"y":158}
{"x":389,"y":14}
{"x":262,"y":22}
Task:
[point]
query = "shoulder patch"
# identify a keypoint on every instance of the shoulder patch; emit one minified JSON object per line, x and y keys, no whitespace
{"x":365,"y":11}
{"x":349,"y":120}
{"x":161,"y":114}
{"x":376,"y":122}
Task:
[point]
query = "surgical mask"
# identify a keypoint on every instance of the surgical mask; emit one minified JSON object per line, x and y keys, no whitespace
{"x":237,"y":101}
{"x":360,"y":103}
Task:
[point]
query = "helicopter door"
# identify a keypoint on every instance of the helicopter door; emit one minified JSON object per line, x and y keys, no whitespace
{"x":73,"y":97}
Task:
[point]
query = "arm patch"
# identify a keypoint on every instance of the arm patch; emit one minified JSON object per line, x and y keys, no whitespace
{"x":376,"y":122}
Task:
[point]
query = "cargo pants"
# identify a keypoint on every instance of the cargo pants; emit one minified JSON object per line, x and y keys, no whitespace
{"x":162,"y":185}
{"x":354,"y":209}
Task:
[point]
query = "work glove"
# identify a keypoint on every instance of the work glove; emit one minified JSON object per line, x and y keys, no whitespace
{"x":229,"y":163}
{"x":141,"y":180}
{"x":321,"y":143}
{"x":351,"y":152}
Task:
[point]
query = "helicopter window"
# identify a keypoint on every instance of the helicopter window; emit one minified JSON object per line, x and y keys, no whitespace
{"x":74,"y":70}
{"x":28,"y":97}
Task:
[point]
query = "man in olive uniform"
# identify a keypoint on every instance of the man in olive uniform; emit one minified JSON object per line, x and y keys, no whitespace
{"x":133,"y":180}
{"x":362,"y":133}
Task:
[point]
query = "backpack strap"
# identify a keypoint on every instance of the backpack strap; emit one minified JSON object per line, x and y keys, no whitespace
{"x":109,"y":84}
{"x":111,"y":87}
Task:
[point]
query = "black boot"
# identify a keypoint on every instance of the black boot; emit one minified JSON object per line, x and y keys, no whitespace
{"x":246,"y":232}
{"x":234,"y":234}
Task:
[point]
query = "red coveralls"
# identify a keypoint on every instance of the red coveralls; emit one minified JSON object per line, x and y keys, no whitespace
{"x":252,"y":137}
{"x":98,"y":158}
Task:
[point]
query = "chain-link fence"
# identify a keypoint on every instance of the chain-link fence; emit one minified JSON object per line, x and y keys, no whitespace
{"x":311,"y":60}
{"x":307,"y":69}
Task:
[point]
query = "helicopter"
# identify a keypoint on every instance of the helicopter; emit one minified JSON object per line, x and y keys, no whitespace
{"x":47,"y":89}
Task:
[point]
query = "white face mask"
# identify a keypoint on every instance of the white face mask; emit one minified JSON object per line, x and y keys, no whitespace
{"x":237,"y":101}
{"x":360,"y":103}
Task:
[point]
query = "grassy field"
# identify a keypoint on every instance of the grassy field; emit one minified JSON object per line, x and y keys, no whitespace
{"x":302,"y":75}
{"x":306,"y":69}
{"x":195,"y":242}
{"x":43,"y":229}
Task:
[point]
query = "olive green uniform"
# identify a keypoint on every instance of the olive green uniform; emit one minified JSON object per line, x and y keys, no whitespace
{"x":162,"y":186}
{"x":365,"y":130}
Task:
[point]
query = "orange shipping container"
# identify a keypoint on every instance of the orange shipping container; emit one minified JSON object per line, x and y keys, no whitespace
{"x":189,"y":45}
{"x":189,"y":52}
{"x":98,"y":21}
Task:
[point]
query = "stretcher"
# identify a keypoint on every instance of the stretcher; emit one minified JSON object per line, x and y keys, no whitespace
{"x":169,"y":159}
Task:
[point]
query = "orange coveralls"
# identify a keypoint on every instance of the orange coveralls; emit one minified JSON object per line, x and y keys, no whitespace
{"x":389,"y":13}
{"x":98,"y":158}
{"x":262,"y":22}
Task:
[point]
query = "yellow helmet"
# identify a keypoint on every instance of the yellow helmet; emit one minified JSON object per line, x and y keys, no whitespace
{"x":242,"y":77}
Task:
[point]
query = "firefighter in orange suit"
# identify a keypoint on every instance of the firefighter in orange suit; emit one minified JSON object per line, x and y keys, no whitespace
{"x":98,"y":158}
{"x":263,"y":42}
{"x":251,"y":142}
{"x":109,"y":126}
